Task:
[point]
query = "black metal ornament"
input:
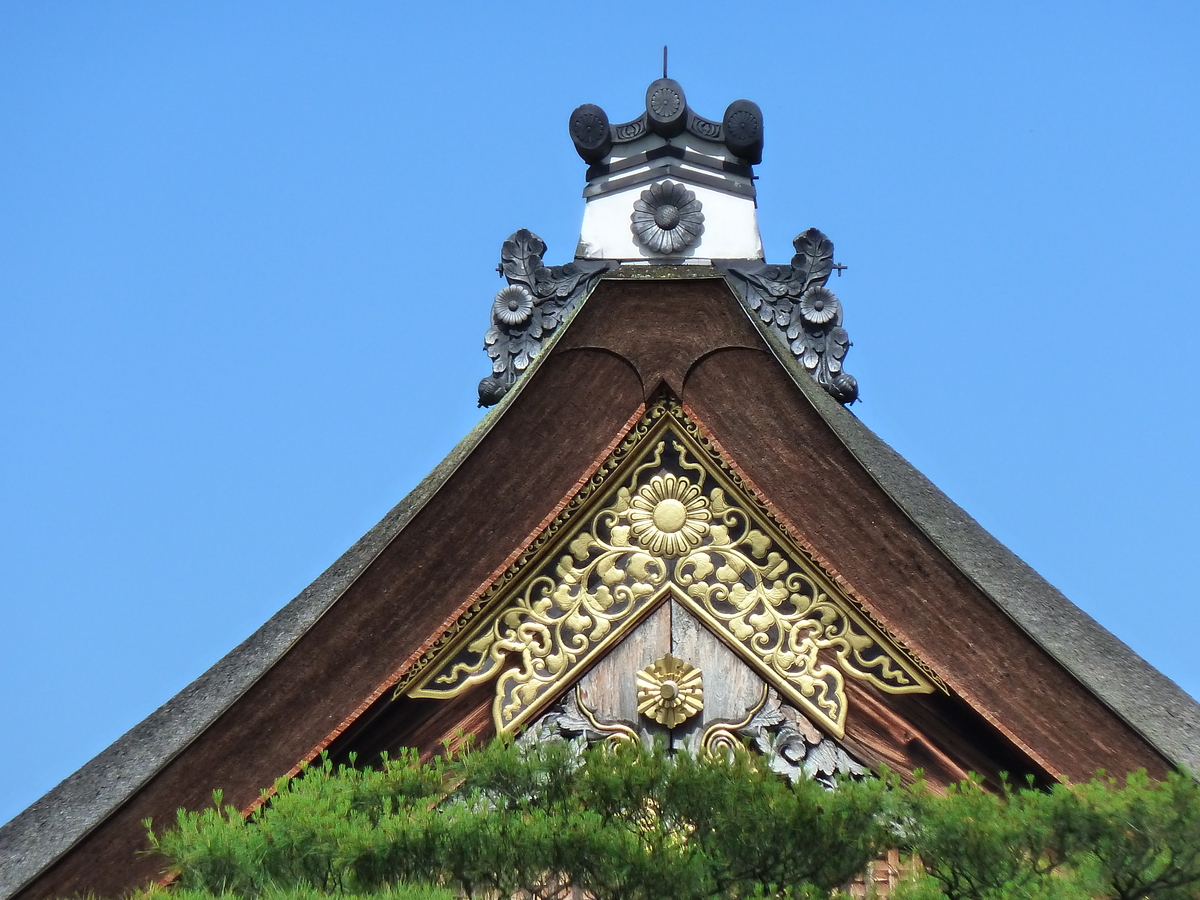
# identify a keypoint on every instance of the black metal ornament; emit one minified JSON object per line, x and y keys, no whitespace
{"x":668,"y":115}
{"x":743,"y":130}
{"x":591,"y":133}
{"x":531,"y":308}
{"x":666,"y":107}
{"x":795,"y":303}
{"x":667,"y":218}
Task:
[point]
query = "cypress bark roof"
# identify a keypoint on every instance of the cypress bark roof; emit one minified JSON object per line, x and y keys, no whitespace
{"x":687,"y":330}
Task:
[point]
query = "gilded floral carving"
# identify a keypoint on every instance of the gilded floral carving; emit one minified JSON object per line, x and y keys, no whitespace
{"x":669,"y":516}
{"x":670,"y":691}
{"x":670,"y":521}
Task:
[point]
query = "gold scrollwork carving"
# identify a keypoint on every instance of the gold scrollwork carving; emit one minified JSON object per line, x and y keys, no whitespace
{"x":614,"y":732}
{"x":678,"y":523}
{"x":721,"y":738}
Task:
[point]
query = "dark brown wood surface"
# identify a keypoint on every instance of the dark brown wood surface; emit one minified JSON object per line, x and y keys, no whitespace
{"x":1012,"y":704}
{"x":1013,"y":707}
{"x":935,"y":733}
{"x":662,"y":327}
{"x":770,"y":431}
{"x":536,"y":454}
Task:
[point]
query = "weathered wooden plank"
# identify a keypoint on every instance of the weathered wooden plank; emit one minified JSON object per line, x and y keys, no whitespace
{"x":609,"y":689}
{"x":731,"y":688}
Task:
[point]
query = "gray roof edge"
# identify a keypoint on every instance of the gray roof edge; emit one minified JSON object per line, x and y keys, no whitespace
{"x":49,"y":827}
{"x":36,"y":837}
{"x":1147,"y":700}
{"x":1141,"y":695}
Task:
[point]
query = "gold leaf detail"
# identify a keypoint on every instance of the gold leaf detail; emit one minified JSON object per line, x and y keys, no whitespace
{"x":677,"y":522}
{"x":669,"y":691}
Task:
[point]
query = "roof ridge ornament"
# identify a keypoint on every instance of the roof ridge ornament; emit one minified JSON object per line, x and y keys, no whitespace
{"x":794,"y":303}
{"x":669,"y":143}
{"x":529,"y":310}
{"x":668,"y":115}
{"x":667,"y":217}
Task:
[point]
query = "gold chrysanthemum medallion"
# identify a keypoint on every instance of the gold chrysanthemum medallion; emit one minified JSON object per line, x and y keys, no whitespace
{"x":669,"y":516}
{"x":669,"y":691}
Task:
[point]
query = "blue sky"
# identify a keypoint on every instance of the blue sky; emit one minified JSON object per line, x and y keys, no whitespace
{"x":247,"y":254}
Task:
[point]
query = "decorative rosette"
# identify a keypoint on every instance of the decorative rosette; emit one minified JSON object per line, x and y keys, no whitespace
{"x":669,"y":516}
{"x":669,"y":691}
{"x":819,"y":306}
{"x":667,"y":218}
{"x":513,"y":306}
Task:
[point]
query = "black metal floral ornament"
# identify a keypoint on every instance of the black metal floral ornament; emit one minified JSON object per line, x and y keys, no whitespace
{"x":795,"y":303}
{"x":513,"y":306}
{"x":526,"y":312}
{"x":667,"y":218}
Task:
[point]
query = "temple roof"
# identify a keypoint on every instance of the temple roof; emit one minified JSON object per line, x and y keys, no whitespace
{"x":742,"y":348}
{"x":1149,"y":702}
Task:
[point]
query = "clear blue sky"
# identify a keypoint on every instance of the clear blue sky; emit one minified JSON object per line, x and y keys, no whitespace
{"x":246,"y":262}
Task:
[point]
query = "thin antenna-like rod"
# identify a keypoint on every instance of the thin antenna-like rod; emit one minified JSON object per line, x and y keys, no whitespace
{"x":664,"y":60}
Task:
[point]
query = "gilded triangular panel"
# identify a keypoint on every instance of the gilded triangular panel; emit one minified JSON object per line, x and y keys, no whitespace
{"x":665,"y":516}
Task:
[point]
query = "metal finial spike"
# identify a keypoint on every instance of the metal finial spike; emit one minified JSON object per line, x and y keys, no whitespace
{"x":664,"y":60}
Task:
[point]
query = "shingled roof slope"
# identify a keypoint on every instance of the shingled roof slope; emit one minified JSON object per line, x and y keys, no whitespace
{"x":1154,"y":705}
{"x":1149,"y":702}
{"x":51,"y":825}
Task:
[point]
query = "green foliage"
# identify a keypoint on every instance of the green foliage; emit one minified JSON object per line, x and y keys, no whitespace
{"x":1099,"y":840}
{"x":627,"y":823}
{"x":1144,"y":839}
{"x":299,"y":892}
{"x":623,"y":823}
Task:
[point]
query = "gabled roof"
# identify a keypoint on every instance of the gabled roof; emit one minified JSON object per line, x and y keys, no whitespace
{"x":1150,"y":702}
{"x":1056,"y":684}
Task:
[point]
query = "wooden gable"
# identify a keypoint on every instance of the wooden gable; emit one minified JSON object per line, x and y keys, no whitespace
{"x":663,"y":521}
{"x":400,"y":643}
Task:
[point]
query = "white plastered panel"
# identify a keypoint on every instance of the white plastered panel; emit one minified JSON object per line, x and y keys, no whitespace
{"x":730,"y":227}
